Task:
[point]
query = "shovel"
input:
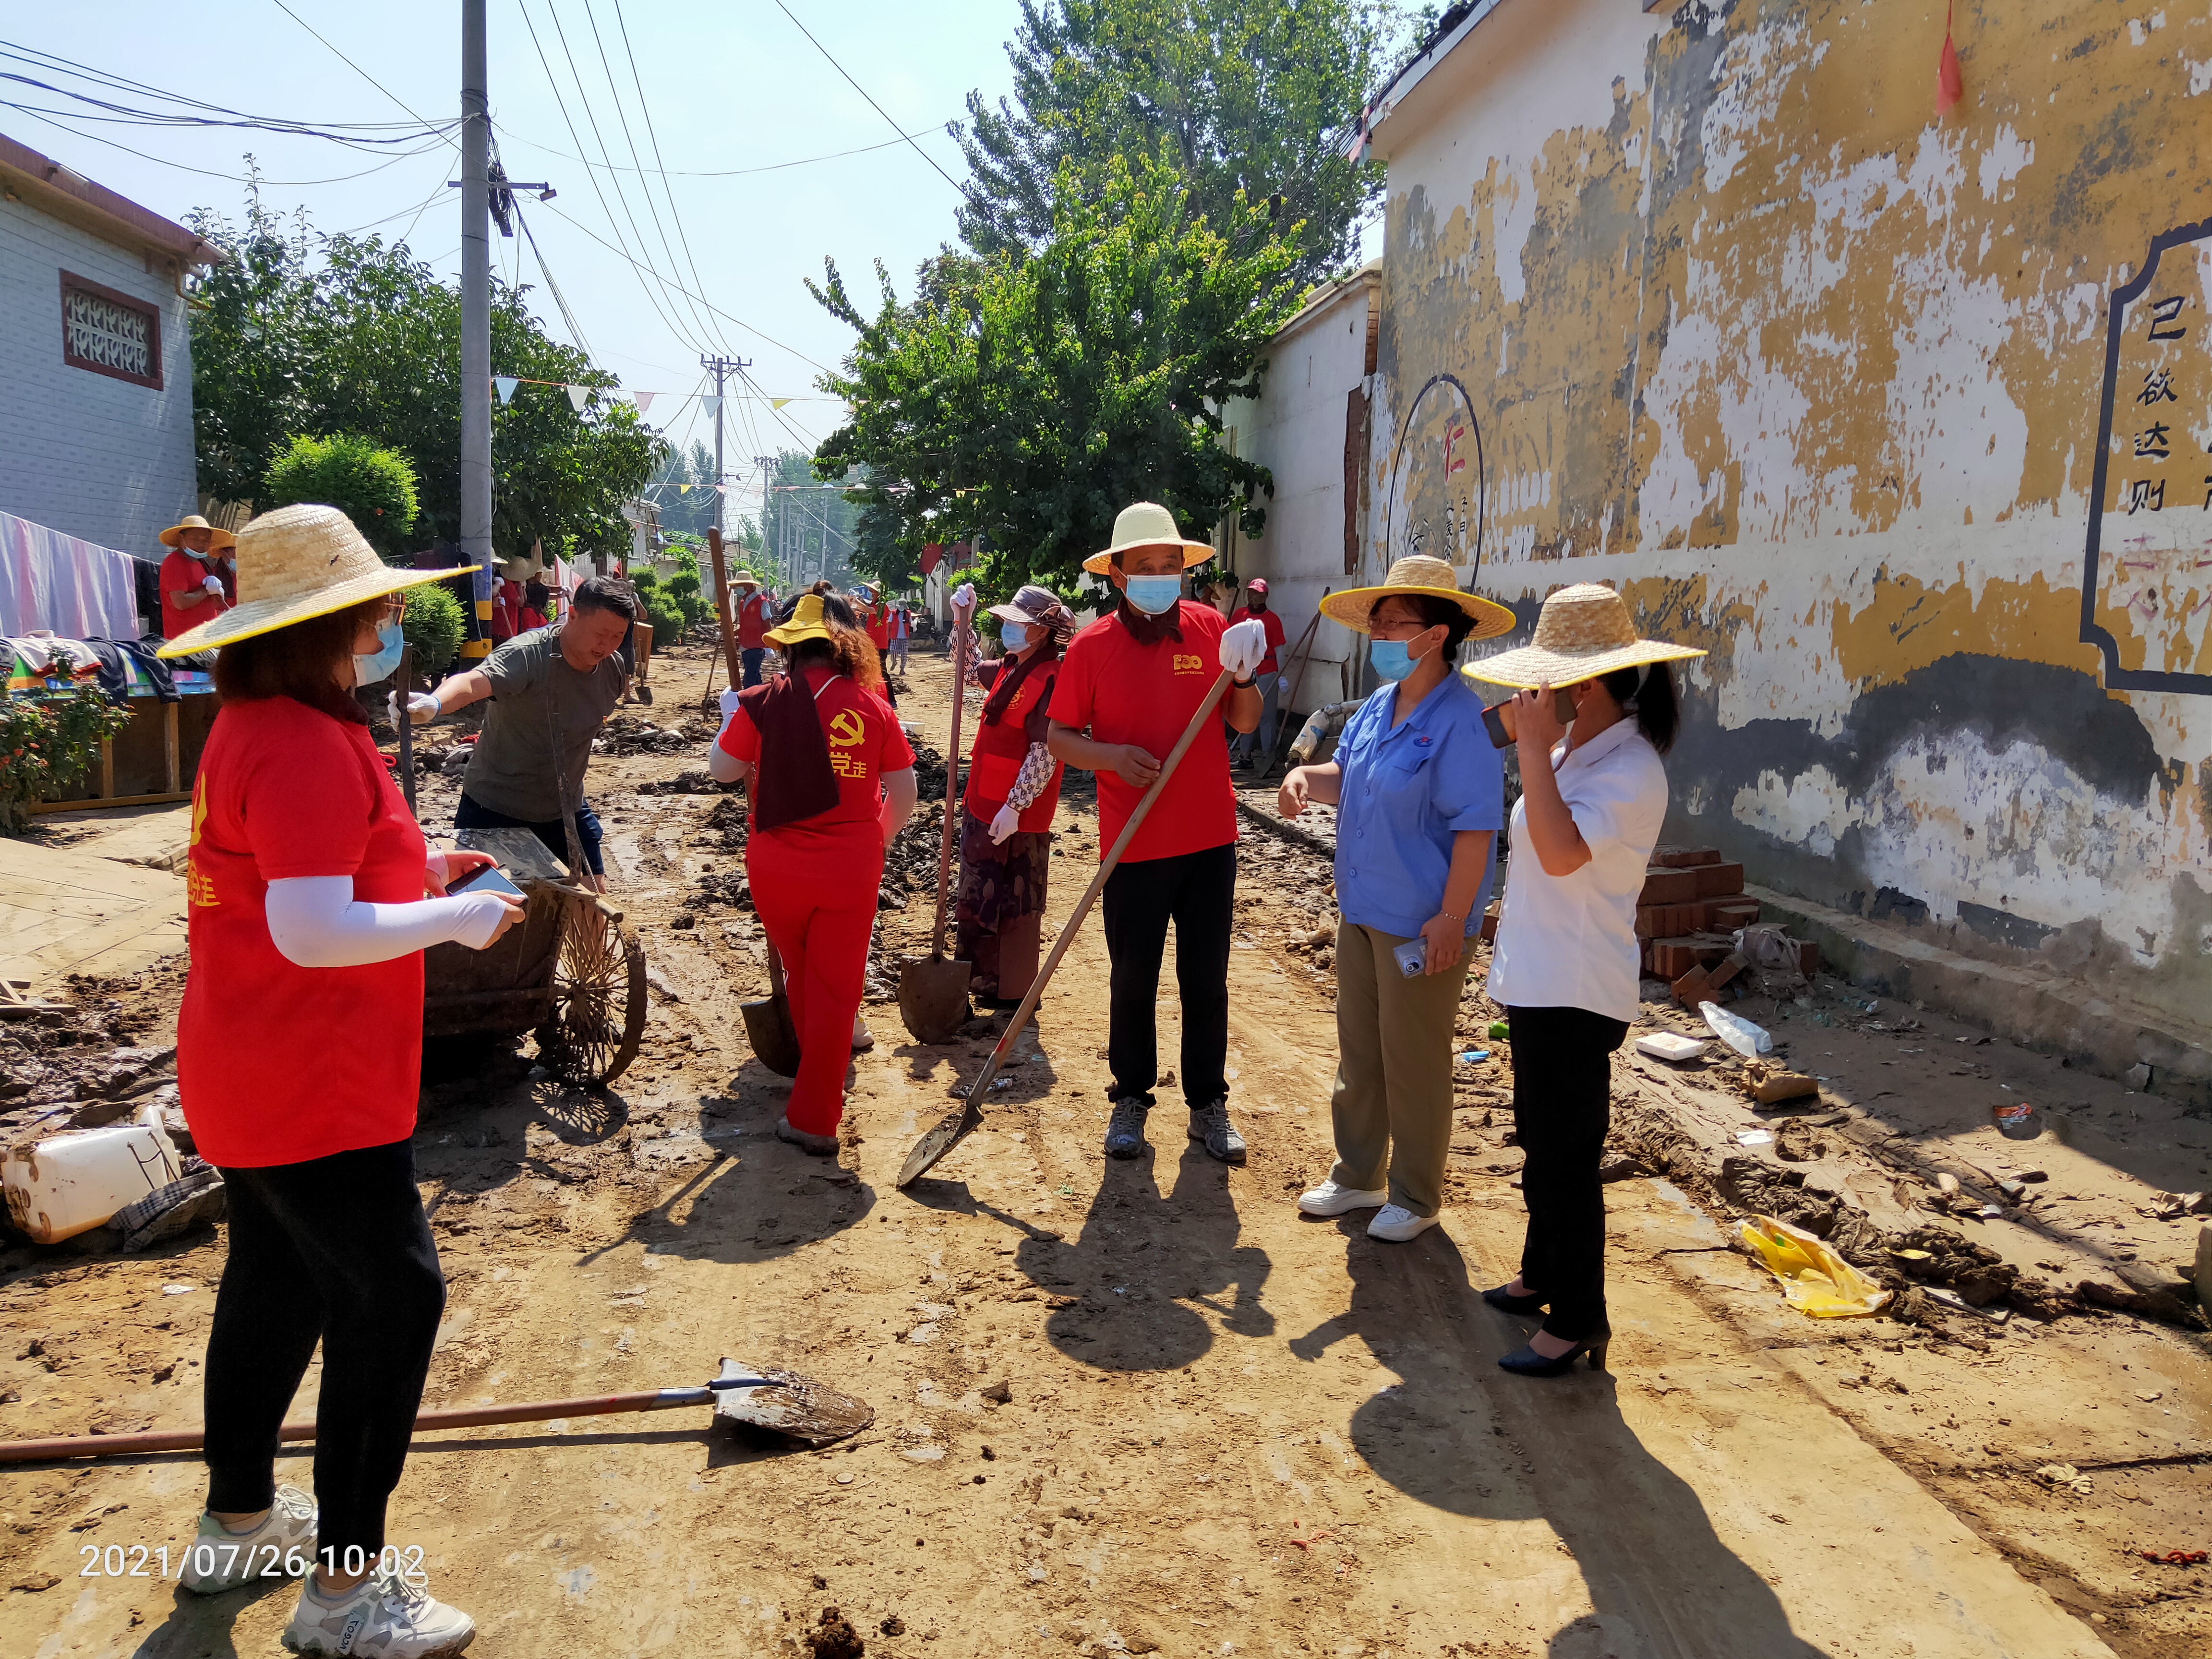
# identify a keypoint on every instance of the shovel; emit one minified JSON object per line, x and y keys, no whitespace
{"x":769,"y":1029}
{"x":949,"y":1133}
{"x":782,"y":1402}
{"x":933,"y":994}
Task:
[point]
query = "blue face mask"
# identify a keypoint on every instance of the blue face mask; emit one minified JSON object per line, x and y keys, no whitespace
{"x":1154,"y":595}
{"x":391,"y":641}
{"x":1013,"y":636}
{"x":1391,"y":658}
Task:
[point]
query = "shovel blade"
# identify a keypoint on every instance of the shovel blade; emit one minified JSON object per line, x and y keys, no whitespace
{"x":797,"y":1408}
{"x":933,"y":997}
{"x":932,"y":1146}
{"x":769,"y":1029}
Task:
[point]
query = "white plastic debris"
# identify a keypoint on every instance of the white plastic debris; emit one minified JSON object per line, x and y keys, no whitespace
{"x":1671,"y":1046}
{"x":1749,"y":1040}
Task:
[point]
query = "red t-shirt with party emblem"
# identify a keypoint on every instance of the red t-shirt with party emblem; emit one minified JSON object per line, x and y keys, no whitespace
{"x":1126,"y":691}
{"x":866,"y":741}
{"x":278,"y":1063}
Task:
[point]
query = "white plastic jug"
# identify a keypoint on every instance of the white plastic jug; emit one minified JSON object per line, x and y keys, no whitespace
{"x":68,"y":1183}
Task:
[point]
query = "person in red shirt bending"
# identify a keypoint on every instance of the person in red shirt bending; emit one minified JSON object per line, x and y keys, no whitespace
{"x":832,"y":782}
{"x":1258,"y":748}
{"x":310,"y":898}
{"x":1013,"y":786}
{"x":755,"y":616}
{"x":1133,"y":679}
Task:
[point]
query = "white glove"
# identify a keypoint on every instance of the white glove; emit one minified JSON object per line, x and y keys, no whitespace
{"x":422,"y":708}
{"x":964,"y":597}
{"x":211,"y":583}
{"x":1004,"y":822}
{"x":1243,"y":647}
{"x":729,"y":700}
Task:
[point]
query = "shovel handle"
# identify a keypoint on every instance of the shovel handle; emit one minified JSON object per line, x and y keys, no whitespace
{"x":952,"y":789}
{"x":722,"y":606}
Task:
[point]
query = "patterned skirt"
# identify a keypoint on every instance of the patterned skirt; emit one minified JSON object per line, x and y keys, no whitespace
{"x":1003,"y":882}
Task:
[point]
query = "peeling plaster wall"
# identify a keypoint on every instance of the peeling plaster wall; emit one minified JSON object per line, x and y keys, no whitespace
{"x":1815,"y":379}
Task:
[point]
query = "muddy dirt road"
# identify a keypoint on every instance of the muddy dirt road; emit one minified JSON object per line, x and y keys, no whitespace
{"x":1148,"y":1407}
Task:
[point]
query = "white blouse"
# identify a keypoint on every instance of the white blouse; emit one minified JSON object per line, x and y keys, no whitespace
{"x":1570,"y":941}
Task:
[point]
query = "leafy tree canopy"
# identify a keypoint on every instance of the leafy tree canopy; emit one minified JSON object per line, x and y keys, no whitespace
{"x":685,"y":507}
{"x":305,"y":334}
{"x":1030,"y":399}
{"x":373,"y":486}
{"x":1251,"y":96}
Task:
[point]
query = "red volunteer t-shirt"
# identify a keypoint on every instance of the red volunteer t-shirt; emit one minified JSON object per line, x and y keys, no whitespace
{"x":755,"y":616}
{"x":1126,"y":692}
{"x":276,"y":1063}
{"x":183,"y":574}
{"x":1272,"y":625}
{"x":864,"y":743}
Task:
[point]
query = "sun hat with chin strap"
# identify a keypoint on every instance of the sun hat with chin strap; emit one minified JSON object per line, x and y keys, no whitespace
{"x":1583,"y":632}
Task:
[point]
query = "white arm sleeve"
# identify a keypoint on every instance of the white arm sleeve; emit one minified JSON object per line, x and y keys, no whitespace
{"x":315,"y":922}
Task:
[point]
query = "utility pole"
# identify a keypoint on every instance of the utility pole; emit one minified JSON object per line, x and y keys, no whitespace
{"x":764,"y":463}
{"x":720,"y":366}
{"x":476,"y":291}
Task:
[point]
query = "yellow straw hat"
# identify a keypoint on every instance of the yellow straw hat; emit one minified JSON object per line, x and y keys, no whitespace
{"x":1420,"y":574}
{"x":806,"y":623}
{"x":1147,"y":523}
{"x":1584,"y":631}
{"x":295,"y":563}
{"x":217,"y":539}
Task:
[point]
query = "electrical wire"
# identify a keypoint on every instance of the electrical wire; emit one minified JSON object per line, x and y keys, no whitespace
{"x":731,"y":172}
{"x":205,"y":173}
{"x":124,"y":115}
{"x":50,"y":62}
{"x":873,"y":104}
{"x":560,"y":300}
{"x":354,"y":67}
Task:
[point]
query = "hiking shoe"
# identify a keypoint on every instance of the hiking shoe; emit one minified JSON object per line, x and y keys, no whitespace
{"x":282,"y":1547}
{"x":1211,"y":1124}
{"x":863,"y":1038}
{"x":1396,"y":1224}
{"x":812,"y":1145}
{"x":390,"y":1614}
{"x":1124,"y":1128}
{"x":1329,"y":1199}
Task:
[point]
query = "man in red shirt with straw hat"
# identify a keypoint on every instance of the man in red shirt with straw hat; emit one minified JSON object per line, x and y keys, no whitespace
{"x":1132,"y":681}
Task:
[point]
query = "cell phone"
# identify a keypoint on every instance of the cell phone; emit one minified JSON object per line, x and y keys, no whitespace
{"x":485,"y":879}
{"x":1412,"y":957}
{"x":1498,"y":718}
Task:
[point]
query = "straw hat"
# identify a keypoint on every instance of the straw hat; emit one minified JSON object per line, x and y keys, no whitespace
{"x":744,"y":579}
{"x":1147,"y":523}
{"x":806,"y":623}
{"x":295,"y":563}
{"x":1583,"y":632}
{"x":1431,"y":578}
{"x":217,"y":539}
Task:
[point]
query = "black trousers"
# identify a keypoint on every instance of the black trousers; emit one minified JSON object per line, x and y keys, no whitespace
{"x":336,"y":1249}
{"x":473,"y":814}
{"x":1562,"y":1104}
{"x":1197,"y":891}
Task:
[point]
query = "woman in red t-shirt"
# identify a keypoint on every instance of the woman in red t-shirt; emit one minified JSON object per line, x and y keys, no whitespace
{"x":832,"y":782}
{"x":310,"y":896}
{"x":1013,"y":786}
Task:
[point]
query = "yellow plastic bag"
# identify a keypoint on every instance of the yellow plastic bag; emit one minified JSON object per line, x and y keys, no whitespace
{"x":1815,"y":1278}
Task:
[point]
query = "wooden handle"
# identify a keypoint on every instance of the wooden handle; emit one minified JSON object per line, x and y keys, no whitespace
{"x":405,"y":680}
{"x":730,"y":658}
{"x":952,"y":792}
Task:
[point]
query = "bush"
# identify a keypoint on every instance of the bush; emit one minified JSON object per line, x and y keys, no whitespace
{"x":48,"y":740}
{"x":433,"y":627}
{"x":373,"y":486}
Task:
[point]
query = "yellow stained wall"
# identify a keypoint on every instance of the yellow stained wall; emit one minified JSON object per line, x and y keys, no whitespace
{"x":1816,"y":378}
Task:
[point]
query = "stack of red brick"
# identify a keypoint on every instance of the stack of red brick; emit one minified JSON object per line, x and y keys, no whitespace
{"x":1689,"y":910}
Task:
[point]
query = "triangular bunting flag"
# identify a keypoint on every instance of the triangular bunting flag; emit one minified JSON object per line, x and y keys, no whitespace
{"x":506,"y":385}
{"x":578,"y":397}
{"x":712,"y":405}
{"x":642,"y":399}
{"x":1949,"y":87}
{"x":778,"y":402}
{"x":683,"y":489}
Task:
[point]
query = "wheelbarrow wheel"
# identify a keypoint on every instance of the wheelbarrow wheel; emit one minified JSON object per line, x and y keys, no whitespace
{"x":599,"y":997}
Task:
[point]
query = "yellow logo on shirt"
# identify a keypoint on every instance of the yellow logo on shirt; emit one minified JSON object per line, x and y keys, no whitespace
{"x":846,"y":728}
{"x":1185,"y":662}
{"x":199,"y":886}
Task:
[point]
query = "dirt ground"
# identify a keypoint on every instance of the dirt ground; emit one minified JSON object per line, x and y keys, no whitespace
{"x":1146,"y":1406}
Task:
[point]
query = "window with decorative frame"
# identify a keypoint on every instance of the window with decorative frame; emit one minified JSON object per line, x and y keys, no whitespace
{"x":109,"y":333}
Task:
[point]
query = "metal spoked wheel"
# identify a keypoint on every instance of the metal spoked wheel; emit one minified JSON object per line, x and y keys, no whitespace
{"x":599,"y":997}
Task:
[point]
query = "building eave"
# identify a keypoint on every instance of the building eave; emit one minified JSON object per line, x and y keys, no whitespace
{"x":1329,"y":297}
{"x":1403,"y":85}
{"x":38,"y":180}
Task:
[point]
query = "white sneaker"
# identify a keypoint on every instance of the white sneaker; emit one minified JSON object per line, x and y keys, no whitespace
{"x":282,"y":1547}
{"x":1329,"y":1199}
{"x":863,"y":1038}
{"x":1397,"y":1224}
{"x":390,"y":1614}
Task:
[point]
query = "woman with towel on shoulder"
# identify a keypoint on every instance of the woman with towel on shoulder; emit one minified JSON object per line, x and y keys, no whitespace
{"x":831,"y":778}
{"x":1013,"y":786}
{"x":1594,"y":799}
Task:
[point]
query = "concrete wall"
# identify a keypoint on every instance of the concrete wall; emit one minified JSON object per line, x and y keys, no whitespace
{"x":1715,"y":308}
{"x":1296,"y":429}
{"x":104,"y":460}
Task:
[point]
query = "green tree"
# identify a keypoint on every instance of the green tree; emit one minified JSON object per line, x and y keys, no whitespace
{"x":373,"y":486}
{"x":1251,"y":96}
{"x":817,"y":528}
{"x":685,"y":507}
{"x":433,"y":628}
{"x":1033,"y":397}
{"x":301,"y":333}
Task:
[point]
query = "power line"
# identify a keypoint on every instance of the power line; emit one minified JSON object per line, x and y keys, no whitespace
{"x":873,"y":104}
{"x":205,"y":173}
{"x":727,"y":172}
{"x":354,"y":67}
{"x":39,"y":59}
{"x":575,"y":332}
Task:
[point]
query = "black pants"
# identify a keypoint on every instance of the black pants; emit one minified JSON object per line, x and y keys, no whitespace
{"x":749,"y":658}
{"x":1562,"y":1103}
{"x":475,"y":814}
{"x":1197,"y":891}
{"x":336,"y":1249}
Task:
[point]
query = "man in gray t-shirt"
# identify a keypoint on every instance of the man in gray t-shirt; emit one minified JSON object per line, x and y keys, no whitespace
{"x":550,"y":690}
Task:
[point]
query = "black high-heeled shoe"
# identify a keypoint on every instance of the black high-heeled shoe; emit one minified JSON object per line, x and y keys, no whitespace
{"x":1505,"y":1302}
{"x":1526,"y":1362}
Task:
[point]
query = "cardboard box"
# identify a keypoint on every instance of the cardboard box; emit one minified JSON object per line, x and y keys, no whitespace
{"x":1663,"y":886}
{"x":1684,"y":858}
{"x":1718,"y":880}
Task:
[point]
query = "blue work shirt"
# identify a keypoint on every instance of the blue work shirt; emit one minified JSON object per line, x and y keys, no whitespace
{"x":1408,"y":790}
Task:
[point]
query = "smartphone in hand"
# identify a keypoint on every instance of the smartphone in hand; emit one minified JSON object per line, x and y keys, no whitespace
{"x":484,"y":878}
{"x":1500,"y":720}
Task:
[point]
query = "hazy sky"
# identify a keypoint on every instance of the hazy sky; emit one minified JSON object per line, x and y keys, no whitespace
{"x":725,"y":87}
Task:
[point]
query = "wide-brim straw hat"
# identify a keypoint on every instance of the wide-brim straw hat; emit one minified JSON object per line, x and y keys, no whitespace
{"x":806,"y":623}
{"x":1430,"y":578}
{"x":1147,"y":523}
{"x":295,"y":563}
{"x":218,"y":538}
{"x":1584,"y":631}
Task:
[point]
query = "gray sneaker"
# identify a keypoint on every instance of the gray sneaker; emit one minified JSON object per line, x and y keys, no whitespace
{"x":282,"y":1547}
{"x":390,"y":1616}
{"x":1211,"y":1124}
{"x":1125,"y":1129}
